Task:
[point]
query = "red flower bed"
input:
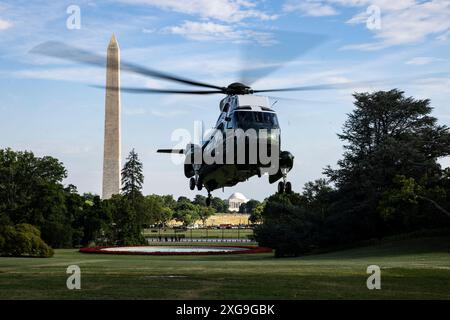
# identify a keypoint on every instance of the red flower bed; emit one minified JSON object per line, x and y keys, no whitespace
{"x":249,"y":249}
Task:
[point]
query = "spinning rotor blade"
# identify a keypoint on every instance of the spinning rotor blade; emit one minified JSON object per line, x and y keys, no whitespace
{"x":349,"y":85}
{"x":264,"y":45}
{"x":330,"y":86}
{"x":60,"y":50}
{"x":176,"y":151}
{"x":275,"y":100}
{"x":63,"y":51}
{"x":150,"y":91}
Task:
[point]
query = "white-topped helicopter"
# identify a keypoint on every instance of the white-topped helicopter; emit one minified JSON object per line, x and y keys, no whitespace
{"x":247,"y":119}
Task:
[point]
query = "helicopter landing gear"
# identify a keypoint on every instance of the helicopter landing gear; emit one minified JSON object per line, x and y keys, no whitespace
{"x":288,"y":187}
{"x":192,"y":183}
{"x":280,"y":187}
{"x":208,"y":200}
{"x":195,"y":182}
{"x":284,"y":186}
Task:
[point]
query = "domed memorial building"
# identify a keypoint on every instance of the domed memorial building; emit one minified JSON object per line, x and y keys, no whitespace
{"x":235,"y":201}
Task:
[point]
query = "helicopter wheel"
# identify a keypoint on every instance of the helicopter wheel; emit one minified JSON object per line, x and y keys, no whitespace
{"x":288,"y":187}
{"x":192,"y":183}
{"x":280,"y":187}
{"x":199,"y":186}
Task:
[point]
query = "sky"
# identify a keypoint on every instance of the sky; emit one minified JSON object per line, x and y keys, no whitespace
{"x":49,"y":106}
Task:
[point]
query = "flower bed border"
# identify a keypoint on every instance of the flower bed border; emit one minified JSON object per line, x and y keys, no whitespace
{"x":250,"y":250}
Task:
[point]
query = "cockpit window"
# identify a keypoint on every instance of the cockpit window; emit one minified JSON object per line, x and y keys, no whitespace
{"x":254,"y":119}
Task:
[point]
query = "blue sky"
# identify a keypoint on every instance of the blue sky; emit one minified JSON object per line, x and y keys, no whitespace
{"x":48,"y":107}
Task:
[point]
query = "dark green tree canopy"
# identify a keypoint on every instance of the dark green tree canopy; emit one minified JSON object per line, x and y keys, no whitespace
{"x":386,"y":135}
{"x":388,"y":181}
{"x":186,"y":212}
{"x":31,"y":192}
{"x":132,"y":176}
{"x":200,"y":200}
{"x":219,"y":205}
{"x":249,"y":206}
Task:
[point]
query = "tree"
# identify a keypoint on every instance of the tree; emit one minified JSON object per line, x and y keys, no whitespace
{"x":256,"y":215}
{"x":183,"y":199}
{"x":409,"y":205}
{"x":388,"y":181}
{"x":129,"y":212}
{"x":200,"y":200}
{"x":249,"y":206}
{"x":158,"y":210}
{"x":132,"y":176}
{"x":23,"y":240}
{"x":317,"y":196}
{"x":31,"y":192}
{"x":165,"y":216}
{"x":186,"y":212}
{"x":22,"y":177}
{"x":204,"y":213}
{"x":219,"y":205}
{"x":169,"y":201}
{"x":288,"y":227}
{"x":126,"y":225}
{"x":386,"y":135}
{"x":75,"y":205}
{"x":314,"y":191}
{"x":91,"y":222}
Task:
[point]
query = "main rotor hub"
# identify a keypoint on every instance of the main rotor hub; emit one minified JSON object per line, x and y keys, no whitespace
{"x":238,"y":88}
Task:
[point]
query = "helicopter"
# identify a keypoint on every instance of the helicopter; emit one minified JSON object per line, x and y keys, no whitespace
{"x":241,"y":110}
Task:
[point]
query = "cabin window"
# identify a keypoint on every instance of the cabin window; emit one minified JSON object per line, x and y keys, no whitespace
{"x":257,"y":120}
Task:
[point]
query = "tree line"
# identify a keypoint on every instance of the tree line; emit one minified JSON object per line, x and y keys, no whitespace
{"x":37,"y":212}
{"x":388,"y":182}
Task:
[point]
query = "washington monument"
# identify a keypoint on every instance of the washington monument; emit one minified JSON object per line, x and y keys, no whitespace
{"x":112,"y":147}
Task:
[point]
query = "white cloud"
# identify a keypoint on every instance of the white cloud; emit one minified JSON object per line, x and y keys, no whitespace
{"x":434,"y":85}
{"x":385,"y":5}
{"x":444,"y":37}
{"x":130,"y":111}
{"x":312,"y":8}
{"x":223,"y":10}
{"x":205,"y":31}
{"x":74,"y":74}
{"x":421,"y":61}
{"x":139,"y":111}
{"x":146,"y":30}
{"x":403,"y":22}
{"x":167,"y":114}
{"x":371,"y":46}
{"x":85,"y":75}
{"x":4,"y":24}
{"x":360,"y":18}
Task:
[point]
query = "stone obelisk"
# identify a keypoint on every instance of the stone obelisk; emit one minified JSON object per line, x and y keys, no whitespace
{"x":112,"y":146}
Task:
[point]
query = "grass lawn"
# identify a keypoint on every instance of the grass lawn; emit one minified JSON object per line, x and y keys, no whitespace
{"x":416,"y":269}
